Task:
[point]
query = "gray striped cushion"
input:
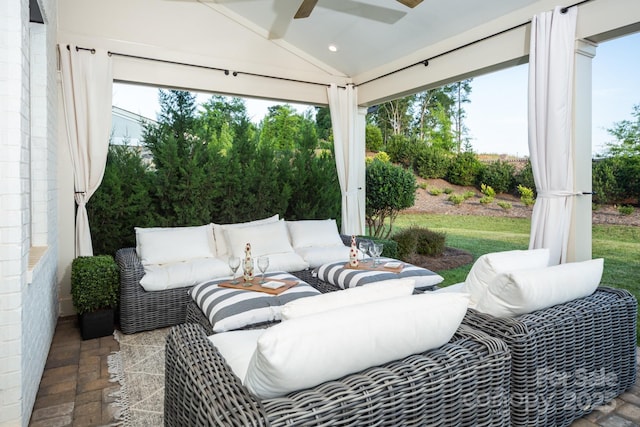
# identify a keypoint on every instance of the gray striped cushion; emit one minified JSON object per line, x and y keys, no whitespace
{"x":336,"y":274}
{"x":229,"y":309}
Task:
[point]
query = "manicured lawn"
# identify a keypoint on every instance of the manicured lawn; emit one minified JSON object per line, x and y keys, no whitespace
{"x":618,"y":245}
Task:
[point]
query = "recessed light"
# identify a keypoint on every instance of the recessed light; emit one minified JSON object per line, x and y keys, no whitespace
{"x":333,"y":48}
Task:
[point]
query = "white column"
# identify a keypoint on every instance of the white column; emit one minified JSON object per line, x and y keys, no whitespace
{"x":580,"y":234}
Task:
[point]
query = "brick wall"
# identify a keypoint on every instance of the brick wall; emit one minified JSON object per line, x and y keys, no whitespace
{"x":28,"y":297}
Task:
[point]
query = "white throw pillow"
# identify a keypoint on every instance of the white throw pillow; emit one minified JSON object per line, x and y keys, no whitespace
{"x":221,"y":240}
{"x":158,"y":277}
{"x":265,"y":239}
{"x":317,"y":256}
{"x":524,"y":291}
{"x":310,"y":350}
{"x":488,"y":266}
{"x":289,"y":262}
{"x":314,"y":233}
{"x":378,"y":291}
{"x":237,"y":348}
{"x":174,"y":244}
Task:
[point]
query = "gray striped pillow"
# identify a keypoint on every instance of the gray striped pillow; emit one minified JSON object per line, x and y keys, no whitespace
{"x":228,"y":309}
{"x":336,"y":274}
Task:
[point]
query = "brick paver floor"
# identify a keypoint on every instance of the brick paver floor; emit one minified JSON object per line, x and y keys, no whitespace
{"x":75,"y":389}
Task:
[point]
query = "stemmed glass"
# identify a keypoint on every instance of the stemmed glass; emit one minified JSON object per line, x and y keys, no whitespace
{"x":263,"y":264}
{"x":376,"y":251}
{"x":365,"y":247}
{"x":234,"y":264}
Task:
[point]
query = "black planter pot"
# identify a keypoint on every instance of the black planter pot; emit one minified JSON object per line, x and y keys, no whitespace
{"x":96,"y":324}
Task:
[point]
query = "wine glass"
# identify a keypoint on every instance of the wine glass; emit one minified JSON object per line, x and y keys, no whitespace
{"x":365,"y":247}
{"x":263,"y":264}
{"x":234,"y":264}
{"x":376,"y":252}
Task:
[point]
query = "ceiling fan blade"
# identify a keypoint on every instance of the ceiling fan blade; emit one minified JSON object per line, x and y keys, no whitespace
{"x":410,"y":3}
{"x":305,"y":9}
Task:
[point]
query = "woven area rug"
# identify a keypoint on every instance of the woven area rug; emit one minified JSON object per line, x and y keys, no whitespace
{"x":139,"y":368}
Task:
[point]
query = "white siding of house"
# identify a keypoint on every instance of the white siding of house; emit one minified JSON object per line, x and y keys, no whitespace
{"x":28,"y":296}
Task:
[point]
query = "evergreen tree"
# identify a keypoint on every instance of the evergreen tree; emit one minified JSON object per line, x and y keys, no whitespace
{"x":180,"y":186}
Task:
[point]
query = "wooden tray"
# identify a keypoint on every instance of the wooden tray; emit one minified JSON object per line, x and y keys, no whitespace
{"x":255,"y":285}
{"x":368,"y":266}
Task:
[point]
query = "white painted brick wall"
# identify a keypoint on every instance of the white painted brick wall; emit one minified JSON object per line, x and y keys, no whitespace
{"x":28,"y":150}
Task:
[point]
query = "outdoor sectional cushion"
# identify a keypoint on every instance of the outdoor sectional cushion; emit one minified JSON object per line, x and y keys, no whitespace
{"x":317,"y":256}
{"x":524,"y":291}
{"x":336,"y":274}
{"x":488,"y":266}
{"x":363,"y":294}
{"x":314,"y":233}
{"x":228,"y":309}
{"x":180,"y":274}
{"x":310,"y":350}
{"x":237,"y":347}
{"x":174,"y":244}
{"x":220,"y":238}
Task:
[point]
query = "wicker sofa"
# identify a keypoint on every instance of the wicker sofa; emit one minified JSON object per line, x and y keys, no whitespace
{"x":465,"y":383}
{"x":142,"y":310}
{"x":567,"y":359}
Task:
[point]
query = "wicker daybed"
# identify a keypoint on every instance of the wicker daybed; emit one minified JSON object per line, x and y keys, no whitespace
{"x":464,"y":383}
{"x":567,"y":359}
{"x":141,"y":310}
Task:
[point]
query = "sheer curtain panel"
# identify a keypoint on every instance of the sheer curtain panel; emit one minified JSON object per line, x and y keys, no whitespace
{"x":87,"y":81}
{"x":551,"y":63}
{"x":349,"y":151}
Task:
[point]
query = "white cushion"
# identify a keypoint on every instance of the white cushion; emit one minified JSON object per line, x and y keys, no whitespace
{"x":282,"y":262}
{"x":524,"y":291}
{"x":237,"y":347}
{"x":228,"y":309}
{"x":338,"y":275}
{"x":317,"y":256}
{"x":179,"y":274}
{"x":310,"y":350}
{"x":314,"y":233}
{"x":221,"y":240}
{"x":166,"y":245}
{"x":265,"y":239}
{"x":361,"y":295}
{"x":488,"y":266}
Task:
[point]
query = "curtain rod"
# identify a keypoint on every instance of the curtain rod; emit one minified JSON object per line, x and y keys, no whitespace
{"x":224,"y":70}
{"x":425,"y":62}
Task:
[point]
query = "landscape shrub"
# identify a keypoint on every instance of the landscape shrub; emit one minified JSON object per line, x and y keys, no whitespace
{"x":524,"y":177}
{"x":456,"y":199}
{"x":626,"y":209}
{"x":431,"y":162}
{"x":447,"y":190}
{"x":401,"y":150}
{"x":373,"y":138}
{"x":504,"y":205}
{"x":419,"y":240}
{"x":382,"y":156}
{"x":526,"y":195}
{"x":487,"y":190}
{"x":435,"y":191}
{"x":604,"y":184}
{"x":499,"y":175}
{"x":464,"y":169}
{"x":469,"y":194}
{"x":390,"y":188}
{"x":486,"y":200}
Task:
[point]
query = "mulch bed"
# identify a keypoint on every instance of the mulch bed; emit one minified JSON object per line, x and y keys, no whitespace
{"x":450,"y":258}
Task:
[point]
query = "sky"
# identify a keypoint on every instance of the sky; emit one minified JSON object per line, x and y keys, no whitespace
{"x":497,"y":114}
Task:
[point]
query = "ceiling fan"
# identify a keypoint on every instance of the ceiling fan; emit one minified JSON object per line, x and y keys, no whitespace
{"x":307,"y":6}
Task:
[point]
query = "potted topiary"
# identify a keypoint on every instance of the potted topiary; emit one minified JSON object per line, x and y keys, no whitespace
{"x":94,"y":290}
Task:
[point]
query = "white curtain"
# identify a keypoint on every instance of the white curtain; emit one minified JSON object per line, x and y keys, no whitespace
{"x":348,"y":140}
{"x":551,"y":60}
{"x":87,"y":81}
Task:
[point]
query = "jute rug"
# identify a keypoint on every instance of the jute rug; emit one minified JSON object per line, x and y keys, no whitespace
{"x":139,"y":368}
